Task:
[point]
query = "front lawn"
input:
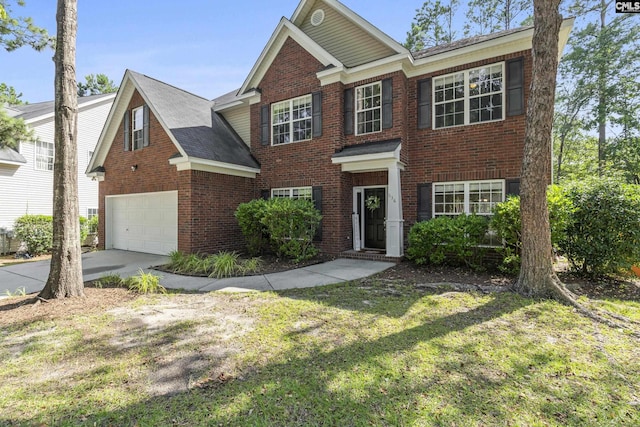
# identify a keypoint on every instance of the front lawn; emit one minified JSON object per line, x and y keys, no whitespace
{"x":372,"y":352}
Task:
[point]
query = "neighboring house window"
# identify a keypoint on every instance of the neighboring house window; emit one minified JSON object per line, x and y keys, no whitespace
{"x":44,"y":156}
{"x":291,"y":120}
{"x":137,"y":127}
{"x":468,"y":97}
{"x":369,"y":108}
{"x":471,"y":197}
{"x":292,"y":193}
{"x":91,"y":212}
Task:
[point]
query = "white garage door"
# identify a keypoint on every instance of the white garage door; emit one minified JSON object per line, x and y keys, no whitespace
{"x":146,"y":222}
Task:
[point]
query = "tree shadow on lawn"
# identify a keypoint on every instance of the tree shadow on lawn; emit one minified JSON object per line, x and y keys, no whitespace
{"x":386,"y":381}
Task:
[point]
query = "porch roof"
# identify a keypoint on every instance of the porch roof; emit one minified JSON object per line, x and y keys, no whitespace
{"x":368,"y":148}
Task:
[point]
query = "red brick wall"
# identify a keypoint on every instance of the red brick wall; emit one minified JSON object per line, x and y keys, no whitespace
{"x":153,"y":172}
{"x":206,"y":207}
{"x":206,"y":201}
{"x":475,"y":152}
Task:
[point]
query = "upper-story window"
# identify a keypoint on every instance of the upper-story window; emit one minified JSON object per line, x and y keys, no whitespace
{"x":471,"y":96}
{"x":369,"y":108}
{"x":291,"y":120}
{"x":137,"y":128}
{"x":44,"y":156}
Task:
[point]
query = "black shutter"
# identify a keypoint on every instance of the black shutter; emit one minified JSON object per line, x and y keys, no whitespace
{"x":513,"y":187}
{"x":264,"y":125}
{"x":387,"y":103}
{"x":145,"y":129}
{"x":317,"y":114}
{"x":316,"y":194}
{"x":424,"y":202}
{"x":348,"y":111}
{"x":424,"y":104}
{"x":515,"y":87}
{"x":127,"y":131}
{"x":265,"y":194}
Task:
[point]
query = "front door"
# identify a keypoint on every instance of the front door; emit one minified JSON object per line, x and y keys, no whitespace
{"x":374,"y":218}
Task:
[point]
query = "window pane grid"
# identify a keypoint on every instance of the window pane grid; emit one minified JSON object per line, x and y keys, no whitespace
{"x":472,"y":96}
{"x":44,"y":155}
{"x":292,"y":193}
{"x":477,"y":197}
{"x":369,"y":108}
{"x":291,"y":120}
{"x":138,"y":126}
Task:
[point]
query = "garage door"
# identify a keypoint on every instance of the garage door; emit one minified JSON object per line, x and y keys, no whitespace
{"x":146,"y":222}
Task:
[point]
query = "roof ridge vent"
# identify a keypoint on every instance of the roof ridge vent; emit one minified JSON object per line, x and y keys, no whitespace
{"x":317,"y":17}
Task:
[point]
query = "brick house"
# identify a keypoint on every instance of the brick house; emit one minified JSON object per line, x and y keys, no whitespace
{"x":333,"y":110}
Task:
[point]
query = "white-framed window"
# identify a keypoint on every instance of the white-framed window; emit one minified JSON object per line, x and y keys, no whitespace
{"x":44,"y":156}
{"x":369,"y":108}
{"x":292,"y":192}
{"x":291,"y":120}
{"x":91,"y":212}
{"x":137,"y":128}
{"x":468,"y":97}
{"x":470,"y":197}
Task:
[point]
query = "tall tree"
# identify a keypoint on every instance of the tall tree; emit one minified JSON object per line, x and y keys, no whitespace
{"x":537,"y":277}
{"x":65,"y":275}
{"x":18,"y":32}
{"x":601,"y":69}
{"x":96,"y":84}
{"x":489,"y":16}
{"x":432,"y":25}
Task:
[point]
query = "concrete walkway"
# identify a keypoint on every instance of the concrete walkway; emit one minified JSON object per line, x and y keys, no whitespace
{"x":31,"y":276}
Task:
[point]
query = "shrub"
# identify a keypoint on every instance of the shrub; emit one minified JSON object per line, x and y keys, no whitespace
{"x":291,"y":225}
{"x":36,"y":231}
{"x":145,"y":283}
{"x":455,"y":240}
{"x":603,"y":234}
{"x":224,"y":264}
{"x":249,"y":216}
{"x":506,"y":223}
{"x":92,"y":224}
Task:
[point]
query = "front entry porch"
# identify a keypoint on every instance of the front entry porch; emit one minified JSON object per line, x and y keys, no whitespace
{"x":377,"y":210}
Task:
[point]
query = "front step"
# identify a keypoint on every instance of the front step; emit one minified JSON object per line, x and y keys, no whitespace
{"x":370,"y":255}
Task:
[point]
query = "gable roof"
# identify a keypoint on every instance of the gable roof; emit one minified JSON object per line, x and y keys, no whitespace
{"x":188,"y":119}
{"x":41,"y":110}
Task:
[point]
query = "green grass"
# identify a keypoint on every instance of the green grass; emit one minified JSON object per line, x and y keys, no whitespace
{"x":356,"y":354}
{"x":218,"y":265}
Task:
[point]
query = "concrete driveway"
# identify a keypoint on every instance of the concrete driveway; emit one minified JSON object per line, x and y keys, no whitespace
{"x":32,"y":276}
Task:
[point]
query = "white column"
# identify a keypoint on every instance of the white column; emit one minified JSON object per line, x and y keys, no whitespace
{"x":395,"y":221}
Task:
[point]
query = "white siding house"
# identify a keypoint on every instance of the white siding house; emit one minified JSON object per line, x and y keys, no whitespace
{"x":26,"y":176}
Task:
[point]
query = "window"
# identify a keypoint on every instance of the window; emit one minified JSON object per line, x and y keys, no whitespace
{"x":44,"y":156}
{"x":369,"y":108}
{"x":292,"y":193}
{"x":137,"y":130}
{"x":91,"y":212}
{"x":472,"y":197}
{"x":472,"y":96}
{"x":291,"y":120}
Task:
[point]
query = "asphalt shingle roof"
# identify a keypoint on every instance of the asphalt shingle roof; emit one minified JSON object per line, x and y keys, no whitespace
{"x":200,"y":131}
{"x":376,"y":147}
{"x":11,"y":155}
{"x":458,"y":44}
{"x":30,"y":111}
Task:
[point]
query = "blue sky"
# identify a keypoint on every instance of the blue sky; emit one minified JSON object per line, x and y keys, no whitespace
{"x":204,"y":46}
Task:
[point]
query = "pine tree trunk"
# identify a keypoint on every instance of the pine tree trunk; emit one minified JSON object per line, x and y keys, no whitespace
{"x":65,"y":275}
{"x":536,"y":273}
